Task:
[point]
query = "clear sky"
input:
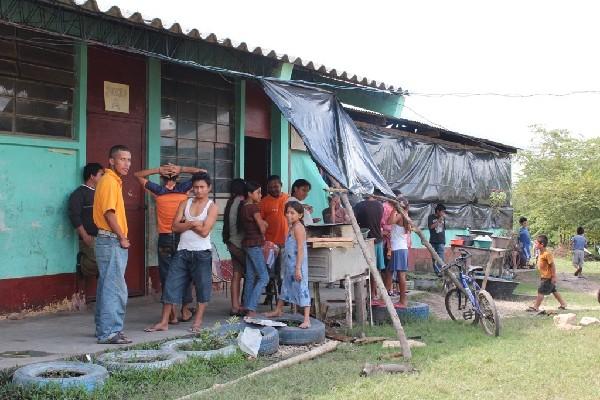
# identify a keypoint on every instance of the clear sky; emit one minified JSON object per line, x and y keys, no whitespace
{"x":431,"y":47}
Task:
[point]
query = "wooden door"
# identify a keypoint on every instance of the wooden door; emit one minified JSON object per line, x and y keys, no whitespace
{"x":106,"y":129}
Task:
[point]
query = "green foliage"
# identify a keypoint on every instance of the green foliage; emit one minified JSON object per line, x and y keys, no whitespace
{"x":559,"y":186}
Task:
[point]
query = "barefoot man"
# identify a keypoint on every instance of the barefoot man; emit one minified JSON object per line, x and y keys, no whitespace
{"x":194,"y":220}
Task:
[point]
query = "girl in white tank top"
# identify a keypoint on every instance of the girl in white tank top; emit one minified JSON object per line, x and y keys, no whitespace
{"x":190,"y":240}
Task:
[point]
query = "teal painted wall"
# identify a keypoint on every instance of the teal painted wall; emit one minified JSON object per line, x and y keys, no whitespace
{"x":280,"y":133}
{"x":37,"y":175}
{"x":36,"y":237}
{"x":302,"y":166}
{"x":153,"y":90}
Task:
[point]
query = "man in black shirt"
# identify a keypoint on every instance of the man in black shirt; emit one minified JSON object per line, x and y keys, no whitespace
{"x":437,"y":233}
{"x":81,"y":203}
{"x":368,"y":215}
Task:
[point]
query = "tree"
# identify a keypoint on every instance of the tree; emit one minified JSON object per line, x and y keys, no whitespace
{"x":558,"y":188}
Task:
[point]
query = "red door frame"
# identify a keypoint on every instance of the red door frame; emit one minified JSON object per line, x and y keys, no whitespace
{"x":109,"y":65}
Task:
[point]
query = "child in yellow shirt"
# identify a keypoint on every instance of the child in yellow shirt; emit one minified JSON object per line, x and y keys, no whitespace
{"x":547,"y":270}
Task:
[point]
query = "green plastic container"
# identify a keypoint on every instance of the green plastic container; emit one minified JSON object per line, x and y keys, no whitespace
{"x":482,"y":244}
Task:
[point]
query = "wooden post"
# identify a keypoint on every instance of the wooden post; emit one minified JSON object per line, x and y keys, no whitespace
{"x":360,"y":294}
{"x":317,"y":293}
{"x":426,"y":243}
{"x":406,"y":353}
{"x":348,"y":288}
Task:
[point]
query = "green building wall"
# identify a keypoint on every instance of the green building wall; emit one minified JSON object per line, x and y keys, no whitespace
{"x":36,"y":177}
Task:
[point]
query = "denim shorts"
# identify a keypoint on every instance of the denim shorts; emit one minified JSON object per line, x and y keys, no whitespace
{"x":186,"y":264}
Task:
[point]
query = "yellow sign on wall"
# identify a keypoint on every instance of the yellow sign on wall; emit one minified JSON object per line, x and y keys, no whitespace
{"x":116,"y":97}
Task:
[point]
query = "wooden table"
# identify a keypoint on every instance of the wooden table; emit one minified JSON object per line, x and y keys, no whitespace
{"x":492,"y":254}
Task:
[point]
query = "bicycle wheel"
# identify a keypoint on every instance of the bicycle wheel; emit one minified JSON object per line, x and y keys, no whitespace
{"x":490,"y":320}
{"x":459,"y":307}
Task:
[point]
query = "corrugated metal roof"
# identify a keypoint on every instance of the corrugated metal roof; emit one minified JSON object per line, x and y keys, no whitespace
{"x":156,"y":23}
{"x":380,"y":120}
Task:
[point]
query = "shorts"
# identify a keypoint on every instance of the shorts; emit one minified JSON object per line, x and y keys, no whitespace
{"x":379,"y":258}
{"x":399,"y":261}
{"x":578,"y":256}
{"x":186,"y":264}
{"x":546,"y":287}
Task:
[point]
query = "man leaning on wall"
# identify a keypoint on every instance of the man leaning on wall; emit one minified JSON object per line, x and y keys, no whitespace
{"x":112,"y":247}
{"x":81,"y":203}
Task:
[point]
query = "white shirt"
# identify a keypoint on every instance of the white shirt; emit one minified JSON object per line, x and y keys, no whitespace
{"x":190,"y":240}
{"x":398,"y":239}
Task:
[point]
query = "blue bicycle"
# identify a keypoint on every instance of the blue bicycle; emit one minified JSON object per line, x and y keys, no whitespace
{"x":470,"y":303}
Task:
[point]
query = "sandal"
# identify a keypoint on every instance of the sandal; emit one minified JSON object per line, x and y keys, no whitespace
{"x":192,"y":311}
{"x":118,"y":338}
{"x":532,"y":309}
{"x":562,"y":307}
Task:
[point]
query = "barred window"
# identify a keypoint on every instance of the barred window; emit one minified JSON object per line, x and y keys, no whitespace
{"x":197,"y":123}
{"x":36,"y":83}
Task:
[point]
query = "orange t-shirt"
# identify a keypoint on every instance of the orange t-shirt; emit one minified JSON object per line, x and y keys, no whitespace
{"x":109,"y":196}
{"x":545,"y":259}
{"x":166,"y":209}
{"x":272,"y":210}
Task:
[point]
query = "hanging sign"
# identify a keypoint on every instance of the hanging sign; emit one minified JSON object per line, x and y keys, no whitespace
{"x":116,"y":97}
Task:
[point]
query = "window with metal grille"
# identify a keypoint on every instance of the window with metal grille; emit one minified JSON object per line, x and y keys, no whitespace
{"x":36,"y":83}
{"x":197,"y":123}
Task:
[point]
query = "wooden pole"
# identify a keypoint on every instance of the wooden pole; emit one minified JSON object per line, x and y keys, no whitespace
{"x":406,"y":353}
{"x":425,"y":242}
{"x":325,"y":348}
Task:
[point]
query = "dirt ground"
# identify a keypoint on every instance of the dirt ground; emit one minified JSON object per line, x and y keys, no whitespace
{"x":517,"y":305}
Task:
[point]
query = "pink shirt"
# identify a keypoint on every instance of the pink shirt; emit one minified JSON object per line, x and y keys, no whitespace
{"x":387,"y":211}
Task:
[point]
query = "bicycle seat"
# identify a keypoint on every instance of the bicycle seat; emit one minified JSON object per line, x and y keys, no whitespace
{"x":475,"y":268}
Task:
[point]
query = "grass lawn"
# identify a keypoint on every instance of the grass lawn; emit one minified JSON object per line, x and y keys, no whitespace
{"x":530,"y":360}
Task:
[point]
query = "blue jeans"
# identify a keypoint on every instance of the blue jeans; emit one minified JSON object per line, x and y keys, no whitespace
{"x":525,"y":253}
{"x":439,"y":249}
{"x":167,"y":247}
{"x":256,"y":278}
{"x":111,"y":293}
{"x":186,"y":264}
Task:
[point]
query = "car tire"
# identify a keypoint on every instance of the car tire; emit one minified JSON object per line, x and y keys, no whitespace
{"x":414,"y":312}
{"x":93,"y":375}
{"x":119,"y":360}
{"x":270,"y":336}
{"x":290,"y":335}
{"x":174,"y":345}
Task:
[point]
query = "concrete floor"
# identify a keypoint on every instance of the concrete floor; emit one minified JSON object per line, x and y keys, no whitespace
{"x":65,"y":334}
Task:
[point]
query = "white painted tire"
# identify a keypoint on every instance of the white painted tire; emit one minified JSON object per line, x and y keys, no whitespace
{"x":120,"y":360}
{"x":174,"y":345}
{"x":93,"y":376}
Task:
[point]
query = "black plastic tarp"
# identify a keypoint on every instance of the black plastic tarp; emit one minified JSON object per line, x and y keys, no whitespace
{"x":432,"y":172}
{"x":459,"y":216}
{"x":428,"y":173}
{"x":330,"y":135}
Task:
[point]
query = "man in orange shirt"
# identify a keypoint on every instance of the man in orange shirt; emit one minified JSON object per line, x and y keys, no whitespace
{"x":272,"y":210}
{"x":547,"y":271}
{"x":111,"y":248}
{"x":168,"y":196}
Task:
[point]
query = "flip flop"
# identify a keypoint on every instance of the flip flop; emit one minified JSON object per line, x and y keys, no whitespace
{"x":562,"y":307}
{"x":532,"y":309}
{"x":192,"y":311}
{"x":195,"y":329}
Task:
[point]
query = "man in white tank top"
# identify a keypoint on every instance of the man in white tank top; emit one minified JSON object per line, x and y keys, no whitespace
{"x":194,"y":220}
